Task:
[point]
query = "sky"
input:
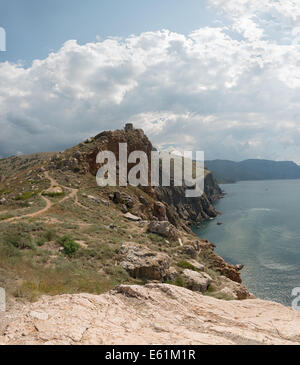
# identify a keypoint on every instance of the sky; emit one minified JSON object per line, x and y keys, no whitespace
{"x":220,"y":76}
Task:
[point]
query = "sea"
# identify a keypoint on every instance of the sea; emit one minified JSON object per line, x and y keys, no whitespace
{"x":261,"y":230}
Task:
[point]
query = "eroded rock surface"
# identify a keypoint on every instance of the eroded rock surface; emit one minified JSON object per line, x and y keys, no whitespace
{"x":234,"y":289}
{"x":197,"y":281}
{"x":143,"y":263}
{"x":163,"y":228}
{"x":150,"y":314}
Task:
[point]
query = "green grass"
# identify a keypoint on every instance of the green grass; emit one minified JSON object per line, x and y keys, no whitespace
{"x":21,"y":240}
{"x":186,"y":265}
{"x":4,"y":191}
{"x":53,"y":195}
{"x":178,"y":282}
{"x":50,"y":235}
{"x":156,"y":238}
{"x":4,"y":217}
{"x":25,"y":196}
{"x":63,"y":279}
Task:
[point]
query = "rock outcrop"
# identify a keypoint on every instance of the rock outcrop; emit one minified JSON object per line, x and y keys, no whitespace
{"x":143,"y":263}
{"x":196,"y":281}
{"x":190,"y":209}
{"x":150,"y":314}
{"x":214,"y":261}
{"x":171,"y":203}
{"x":234,"y":290}
{"x":164,"y":228}
{"x":132,"y":217}
{"x":224,"y":268}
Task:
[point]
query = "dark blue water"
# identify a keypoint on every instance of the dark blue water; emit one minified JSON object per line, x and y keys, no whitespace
{"x":261,"y":229}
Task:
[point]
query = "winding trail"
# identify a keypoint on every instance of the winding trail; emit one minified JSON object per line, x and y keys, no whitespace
{"x":49,"y":203}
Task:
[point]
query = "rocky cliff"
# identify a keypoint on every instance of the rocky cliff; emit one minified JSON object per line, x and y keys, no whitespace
{"x":180,"y":211}
{"x":60,"y":233}
{"x":191,"y":210}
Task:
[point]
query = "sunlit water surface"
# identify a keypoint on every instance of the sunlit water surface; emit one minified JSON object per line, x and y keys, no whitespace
{"x":261,"y":229}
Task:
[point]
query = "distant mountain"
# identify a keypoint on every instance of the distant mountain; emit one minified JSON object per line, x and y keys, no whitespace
{"x":226,"y":171}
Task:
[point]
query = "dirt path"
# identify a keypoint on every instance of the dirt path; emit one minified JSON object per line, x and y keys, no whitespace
{"x":49,"y":204}
{"x":32,"y":215}
{"x":53,"y":182}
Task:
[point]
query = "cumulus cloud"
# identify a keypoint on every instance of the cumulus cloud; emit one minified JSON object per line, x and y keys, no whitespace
{"x":272,"y":19}
{"x":233,"y":97}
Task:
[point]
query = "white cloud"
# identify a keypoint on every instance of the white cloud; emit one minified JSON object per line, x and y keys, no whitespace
{"x":273,"y":19}
{"x":234,"y":98}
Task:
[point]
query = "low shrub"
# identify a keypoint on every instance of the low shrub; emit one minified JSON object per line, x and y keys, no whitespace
{"x":4,"y":217}
{"x":50,"y":235}
{"x":178,"y":282}
{"x":41,"y":241}
{"x":25,"y":196}
{"x":186,"y":265}
{"x":156,"y":238}
{"x":21,"y":240}
{"x":69,"y":245}
{"x":53,"y":195}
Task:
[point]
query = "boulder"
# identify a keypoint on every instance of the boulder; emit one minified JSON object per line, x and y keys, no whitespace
{"x":163,"y":228}
{"x":124,"y":208}
{"x":172,"y":274}
{"x":228,"y":270}
{"x":132,"y":217}
{"x":196,"y":281}
{"x":116,"y":197}
{"x":142,"y":263}
{"x":190,"y":250}
{"x":77,"y":155}
{"x":2,"y":201}
{"x":93,"y":199}
{"x":159,"y":211}
{"x":105,"y":202}
{"x":143,"y":200}
{"x":123,"y":198}
{"x":235,"y":290}
{"x":197,"y":265}
{"x":127,"y":200}
{"x":55,"y":190}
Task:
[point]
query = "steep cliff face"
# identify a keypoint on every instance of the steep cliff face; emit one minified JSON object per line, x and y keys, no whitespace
{"x":109,"y":141}
{"x":191,"y":209}
{"x":180,"y":211}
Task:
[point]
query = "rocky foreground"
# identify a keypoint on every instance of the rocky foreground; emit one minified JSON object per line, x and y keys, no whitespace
{"x":150,"y":314}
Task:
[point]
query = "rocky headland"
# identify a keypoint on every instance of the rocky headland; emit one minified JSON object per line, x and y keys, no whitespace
{"x":130,"y":248}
